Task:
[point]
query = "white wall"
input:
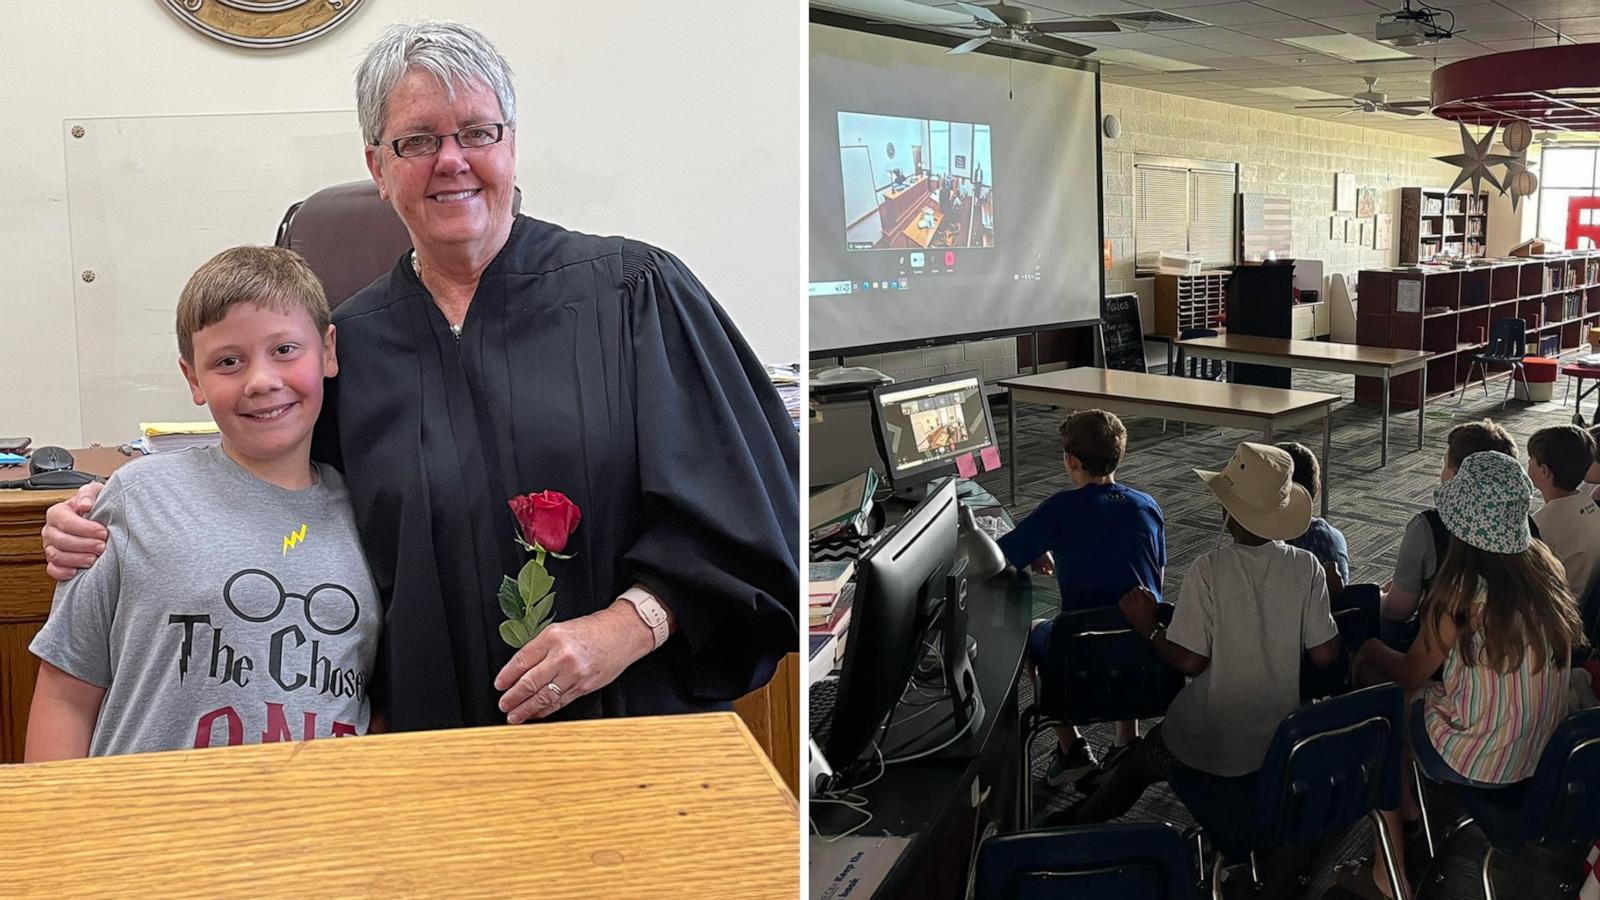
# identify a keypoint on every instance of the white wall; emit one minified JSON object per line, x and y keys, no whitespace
{"x":635,"y":118}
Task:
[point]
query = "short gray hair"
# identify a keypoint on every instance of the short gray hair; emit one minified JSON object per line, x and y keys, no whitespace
{"x":454,"y":53}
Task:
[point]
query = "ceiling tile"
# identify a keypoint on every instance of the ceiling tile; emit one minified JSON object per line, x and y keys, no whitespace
{"x":1286,"y":28}
{"x":1133,"y":40}
{"x":1472,"y":15}
{"x":1504,"y":31}
{"x":1516,"y":44}
{"x":1237,"y":14}
{"x":1059,"y":8}
{"x":1584,"y":27}
{"x":1317,"y":9}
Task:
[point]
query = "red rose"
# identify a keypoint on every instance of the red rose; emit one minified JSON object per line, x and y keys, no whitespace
{"x":547,"y":518}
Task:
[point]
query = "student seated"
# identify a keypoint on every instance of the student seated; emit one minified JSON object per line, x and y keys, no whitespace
{"x":1501,"y":620}
{"x":232,"y":604}
{"x":1425,"y":536}
{"x":1245,"y":612}
{"x":1569,"y":521}
{"x":1324,"y":541}
{"x":1100,"y":540}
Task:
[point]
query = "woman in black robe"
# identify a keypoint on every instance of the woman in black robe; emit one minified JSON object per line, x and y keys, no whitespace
{"x":506,"y":356}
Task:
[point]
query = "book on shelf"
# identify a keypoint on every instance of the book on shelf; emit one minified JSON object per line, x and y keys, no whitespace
{"x":828,"y":578}
{"x":845,"y":506}
{"x":834,"y":616}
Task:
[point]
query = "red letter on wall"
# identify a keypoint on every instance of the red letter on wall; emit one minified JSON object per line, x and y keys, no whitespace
{"x":1576,"y":206}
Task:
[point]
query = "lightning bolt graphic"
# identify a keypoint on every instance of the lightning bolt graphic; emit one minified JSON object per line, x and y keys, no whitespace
{"x":293,"y":538}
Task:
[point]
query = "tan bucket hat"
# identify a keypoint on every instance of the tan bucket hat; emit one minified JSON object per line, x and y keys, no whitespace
{"x":1258,"y":491}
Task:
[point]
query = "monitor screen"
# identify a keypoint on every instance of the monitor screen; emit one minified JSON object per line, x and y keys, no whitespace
{"x":925,"y":426}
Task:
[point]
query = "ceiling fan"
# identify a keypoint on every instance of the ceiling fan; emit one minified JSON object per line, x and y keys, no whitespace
{"x":1372,"y":100}
{"x":1014,"y":24}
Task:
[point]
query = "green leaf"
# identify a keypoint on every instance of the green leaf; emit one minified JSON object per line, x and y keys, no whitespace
{"x":534,"y":582}
{"x":510,"y":601}
{"x":541,"y":612}
{"x":515,"y":632}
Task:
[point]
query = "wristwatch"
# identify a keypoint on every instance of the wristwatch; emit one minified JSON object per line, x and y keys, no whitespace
{"x":650,"y":611}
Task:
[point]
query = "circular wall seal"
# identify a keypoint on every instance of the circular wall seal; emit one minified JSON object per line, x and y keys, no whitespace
{"x":263,"y":23}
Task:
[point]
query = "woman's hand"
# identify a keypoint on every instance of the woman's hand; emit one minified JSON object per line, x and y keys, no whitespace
{"x":577,"y":656}
{"x":72,"y":542}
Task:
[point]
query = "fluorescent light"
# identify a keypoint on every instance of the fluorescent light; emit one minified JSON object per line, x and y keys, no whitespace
{"x":1348,"y":47}
{"x":1149,"y":61}
{"x":1298,"y":93}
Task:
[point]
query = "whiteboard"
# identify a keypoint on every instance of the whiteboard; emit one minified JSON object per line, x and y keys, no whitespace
{"x":150,"y":198}
{"x":860,"y":194}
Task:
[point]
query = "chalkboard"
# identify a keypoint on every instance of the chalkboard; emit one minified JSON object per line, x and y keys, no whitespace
{"x":1121,"y":333}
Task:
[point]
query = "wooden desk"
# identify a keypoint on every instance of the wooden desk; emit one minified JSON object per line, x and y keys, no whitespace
{"x":647,"y":807}
{"x":772,"y":712}
{"x":919,"y":235}
{"x":1184,"y":399}
{"x":947,"y":802}
{"x":1351,"y":359}
{"x":897,"y":202}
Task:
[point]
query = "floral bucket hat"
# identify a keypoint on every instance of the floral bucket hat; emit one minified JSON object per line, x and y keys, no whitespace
{"x":1486,"y":503}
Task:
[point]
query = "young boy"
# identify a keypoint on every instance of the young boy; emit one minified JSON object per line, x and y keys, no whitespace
{"x":1324,"y":541}
{"x":1425,"y":536}
{"x":232,"y":604}
{"x":1101,"y":540}
{"x":1245,"y":612}
{"x":1569,"y":521}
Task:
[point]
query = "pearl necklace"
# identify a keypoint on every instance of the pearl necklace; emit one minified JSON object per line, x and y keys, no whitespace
{"x":455,"y":327}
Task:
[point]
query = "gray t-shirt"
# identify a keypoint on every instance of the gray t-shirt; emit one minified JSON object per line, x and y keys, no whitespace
{"x":1250,"y":610}
{"x":226,"y":610}
{"x":1417,"y":560}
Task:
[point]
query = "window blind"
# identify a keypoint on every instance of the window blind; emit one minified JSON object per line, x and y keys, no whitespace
{"x":1161,"y":210}
{"x":1211,"y":219}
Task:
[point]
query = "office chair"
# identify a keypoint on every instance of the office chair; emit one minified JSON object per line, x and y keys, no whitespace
{"x":348,"y":235}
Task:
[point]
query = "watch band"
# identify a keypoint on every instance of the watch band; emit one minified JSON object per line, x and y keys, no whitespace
{"x":650,"y":611}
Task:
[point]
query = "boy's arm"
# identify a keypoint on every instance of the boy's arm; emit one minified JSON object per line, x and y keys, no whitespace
{"x":1031,"y":538}
{"x":61,"y":720}
{"x":1399,"y":601}
{"x":1378,"y":663}
{"x":1326,"y":653}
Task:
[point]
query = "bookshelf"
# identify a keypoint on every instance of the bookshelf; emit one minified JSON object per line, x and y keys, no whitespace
{"x":1447,"y":312}
{"x":1437,"y":223}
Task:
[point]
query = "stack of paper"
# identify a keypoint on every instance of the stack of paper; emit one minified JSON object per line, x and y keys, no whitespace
{"x":161,"y":437}
{"x":786,"y":378}
{"x":845,"y":506}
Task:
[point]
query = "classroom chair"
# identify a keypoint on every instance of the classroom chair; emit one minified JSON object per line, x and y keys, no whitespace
{"x":1130,"y":861}
{"x":1355,"y":612}
{"x":1507,"y":345}
{"x":1328,"y":765}
{"x":1096,"y":669}
{"x":1558,"y":805}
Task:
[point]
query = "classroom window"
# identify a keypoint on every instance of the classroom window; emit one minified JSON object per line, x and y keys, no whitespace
{"x":1184,"y":205}
{"x":1564,"y":172}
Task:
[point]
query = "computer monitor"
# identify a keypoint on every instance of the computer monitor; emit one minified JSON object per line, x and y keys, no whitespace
{"x":924,"y":426}
{"x":900,"y":590}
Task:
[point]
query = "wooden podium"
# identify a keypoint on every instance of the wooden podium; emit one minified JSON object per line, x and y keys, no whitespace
{"x":772,"y":713}
{"x":647,"y":807}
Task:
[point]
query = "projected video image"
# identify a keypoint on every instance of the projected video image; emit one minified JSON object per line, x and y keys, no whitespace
{"x":915,"y":183}
{"x":936,"y":431}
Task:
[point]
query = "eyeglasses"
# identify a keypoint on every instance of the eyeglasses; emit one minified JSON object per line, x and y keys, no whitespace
{"x":468,"y":138}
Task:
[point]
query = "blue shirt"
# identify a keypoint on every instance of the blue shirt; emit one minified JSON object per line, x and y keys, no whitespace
{"x":1106,"y":538}
{"x":1327,"y":544}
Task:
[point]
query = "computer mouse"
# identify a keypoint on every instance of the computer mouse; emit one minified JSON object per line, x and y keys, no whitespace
{"x":49,"y":459}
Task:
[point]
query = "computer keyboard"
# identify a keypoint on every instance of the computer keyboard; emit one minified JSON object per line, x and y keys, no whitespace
{"x":823,"y":694}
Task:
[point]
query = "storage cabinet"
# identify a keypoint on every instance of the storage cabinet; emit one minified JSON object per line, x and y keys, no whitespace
{"x":1448,"y":311}
{"x":1189,"y":301}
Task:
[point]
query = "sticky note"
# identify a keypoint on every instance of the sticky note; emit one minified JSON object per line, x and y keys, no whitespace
{"x":966,"y":465}
{"x":991,"y":458}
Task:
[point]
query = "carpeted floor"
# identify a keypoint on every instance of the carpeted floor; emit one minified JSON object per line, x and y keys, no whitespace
{"x":1370,"y":504}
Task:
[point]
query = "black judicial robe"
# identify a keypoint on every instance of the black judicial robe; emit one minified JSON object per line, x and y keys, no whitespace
{"x":595,"y":366}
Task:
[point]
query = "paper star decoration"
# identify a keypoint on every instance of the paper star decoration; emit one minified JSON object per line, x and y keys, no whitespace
{"x":1475,"y":159}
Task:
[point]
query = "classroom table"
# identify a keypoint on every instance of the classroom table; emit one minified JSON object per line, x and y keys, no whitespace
{"x":1183,"y":399}
{"x":645,"y":807}
{"x":1321,"y":356}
